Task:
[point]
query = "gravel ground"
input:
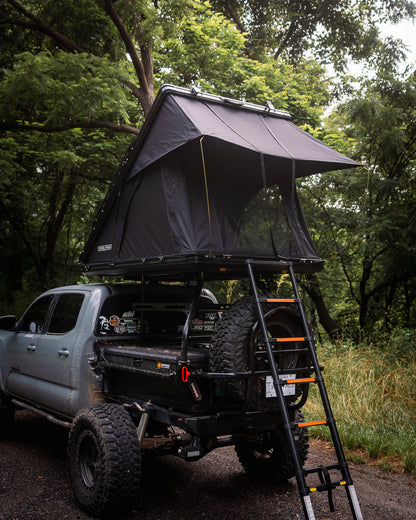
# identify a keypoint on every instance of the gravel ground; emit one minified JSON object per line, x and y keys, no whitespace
{"x":34,"y":485}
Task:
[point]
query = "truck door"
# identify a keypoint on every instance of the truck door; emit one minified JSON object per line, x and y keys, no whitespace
{"x":53,"y":362}
{"x":22,"y":350}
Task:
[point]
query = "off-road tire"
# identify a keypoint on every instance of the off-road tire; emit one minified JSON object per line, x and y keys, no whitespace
{"x":231,"y":340}
{"x":268,"y":457}
{"x":104,"y":460}
{"x":6,"y":416}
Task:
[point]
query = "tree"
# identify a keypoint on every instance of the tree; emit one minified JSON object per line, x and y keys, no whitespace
{"x":50,"y":186}
{"x":72,"y":101}
{"x":90,"y":28}
{"x":52,"y":153}
{"x":369,"y":215}
{"x":331,"y":31}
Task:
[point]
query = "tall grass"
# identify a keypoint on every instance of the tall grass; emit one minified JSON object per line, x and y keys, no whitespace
{"x":373,"y":396}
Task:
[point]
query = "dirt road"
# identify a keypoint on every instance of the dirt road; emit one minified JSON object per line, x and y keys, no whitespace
{"x":34,"y":485}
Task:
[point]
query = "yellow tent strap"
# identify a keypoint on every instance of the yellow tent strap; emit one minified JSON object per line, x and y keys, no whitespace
{"x":206,"y":192}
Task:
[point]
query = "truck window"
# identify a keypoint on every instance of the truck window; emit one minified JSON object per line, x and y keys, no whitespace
{"x":65,"y":314}
{"x":34,"y":318}
{"x":117,"y":316}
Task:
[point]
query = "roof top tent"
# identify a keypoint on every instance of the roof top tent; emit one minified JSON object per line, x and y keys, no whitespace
{"x":209,"y":183}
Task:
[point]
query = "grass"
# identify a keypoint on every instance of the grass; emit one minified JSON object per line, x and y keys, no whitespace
{"x":373,"y":398}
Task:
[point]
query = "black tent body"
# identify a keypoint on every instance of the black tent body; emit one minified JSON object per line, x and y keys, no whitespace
{"x":208,"y":183}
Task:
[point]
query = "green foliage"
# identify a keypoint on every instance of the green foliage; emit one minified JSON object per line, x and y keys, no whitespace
{"x":373,"y":396}
{"x":83,"y":22}
{"x":202,"y":49}
{"x":302,"y":90}
{"x":363,"y":221}
{"x":49,"y":193}
{"x":331,"y":32}
{"x":206,"y":50}
{"x":53,"y":90}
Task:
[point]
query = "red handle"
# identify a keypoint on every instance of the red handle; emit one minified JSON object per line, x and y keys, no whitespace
{"x":185,"y":374}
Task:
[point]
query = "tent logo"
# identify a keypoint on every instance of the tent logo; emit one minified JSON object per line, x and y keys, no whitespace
{"x":104,"y":247}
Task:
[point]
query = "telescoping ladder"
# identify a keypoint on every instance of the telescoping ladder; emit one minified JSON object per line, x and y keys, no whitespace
{"x":323,"y":472}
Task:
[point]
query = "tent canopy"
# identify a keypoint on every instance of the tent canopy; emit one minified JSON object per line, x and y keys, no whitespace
{"x":208,"y":180}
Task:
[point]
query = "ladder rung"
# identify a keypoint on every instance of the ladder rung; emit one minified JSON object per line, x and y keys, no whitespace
{"x":303,"y":370}
{"x":311,"y":423}
{"x":318,"y":469}
{"x":284,"y":340}
{"x":284,"y":351}
{"x":280,"y":300}
{"x":324,"y":487}
{"x":291,"y":351}
{"x":304,"y":380}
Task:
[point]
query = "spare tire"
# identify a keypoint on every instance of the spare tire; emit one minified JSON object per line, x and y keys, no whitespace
{"x":239,"y":328}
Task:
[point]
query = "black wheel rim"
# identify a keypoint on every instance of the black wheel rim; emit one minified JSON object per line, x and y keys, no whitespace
{"x":263,"y":449}
{"x":89,"y":461}
{"x":276,"y":329}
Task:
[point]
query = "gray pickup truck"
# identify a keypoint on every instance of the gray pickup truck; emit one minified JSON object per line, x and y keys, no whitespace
{"x":107,"y":361}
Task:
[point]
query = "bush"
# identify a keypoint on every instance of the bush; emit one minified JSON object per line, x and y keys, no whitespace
{"x":373,"y":397}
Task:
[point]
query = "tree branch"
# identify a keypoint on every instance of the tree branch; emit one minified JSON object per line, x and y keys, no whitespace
{"x":41,"y":26}
{"x":143,"y":67}
{"x":69,"y":126}
{"x":287,"y":38}
{"x":132,"y":87}
{"x":406,"y":276}
{"x":234,"y":15}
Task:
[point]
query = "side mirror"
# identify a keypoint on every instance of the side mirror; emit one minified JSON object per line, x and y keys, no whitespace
{"x":7,"y":322}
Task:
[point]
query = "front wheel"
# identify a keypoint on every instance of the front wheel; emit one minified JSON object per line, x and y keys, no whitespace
{"x":267,"y":457}
{"x":104,"y":459}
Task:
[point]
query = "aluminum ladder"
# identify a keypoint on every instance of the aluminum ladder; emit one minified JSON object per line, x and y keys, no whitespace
{"x":325,"y":478}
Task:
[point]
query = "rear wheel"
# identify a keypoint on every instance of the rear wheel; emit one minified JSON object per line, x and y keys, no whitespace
{"x":104,"y":459}
{"x":268,"y":456}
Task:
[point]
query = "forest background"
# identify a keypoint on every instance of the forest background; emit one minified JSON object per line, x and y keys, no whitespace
{"x":77,"y":80}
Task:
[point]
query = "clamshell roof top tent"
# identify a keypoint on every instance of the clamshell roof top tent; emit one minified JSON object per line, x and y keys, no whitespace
{"x":208,"y":183}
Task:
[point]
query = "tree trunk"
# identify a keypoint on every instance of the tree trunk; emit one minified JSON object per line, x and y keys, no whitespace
{"x":57,"y":212}
{"x":367,"y":264}
{"x":313,"y":289}
{"x":391,"y":291}
{"x":407,"y":302}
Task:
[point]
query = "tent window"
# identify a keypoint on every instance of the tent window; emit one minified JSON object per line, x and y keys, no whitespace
{"x":264,"y":225}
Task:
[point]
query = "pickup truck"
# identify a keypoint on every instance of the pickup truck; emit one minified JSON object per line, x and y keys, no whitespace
{"x":147,"y":368}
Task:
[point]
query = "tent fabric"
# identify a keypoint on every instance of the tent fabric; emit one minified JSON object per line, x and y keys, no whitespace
{"x":208,"y":177}
{"x":260,"y":132}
